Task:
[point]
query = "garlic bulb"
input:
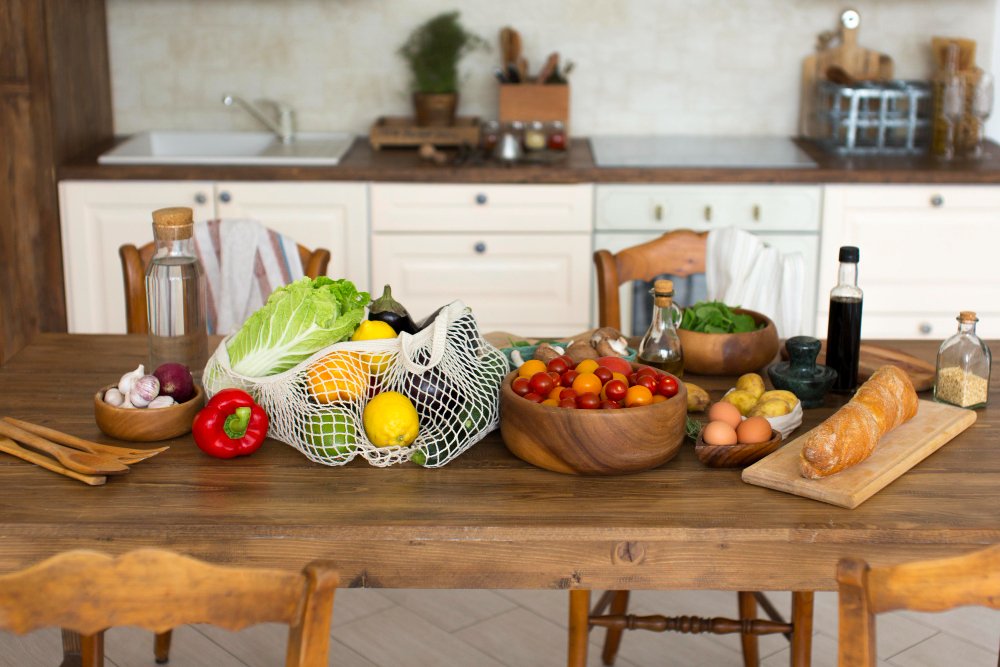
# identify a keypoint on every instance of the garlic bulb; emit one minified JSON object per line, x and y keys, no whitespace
{"x":160,"y":402}
{"x":144,"y":390}
{"x":114,"y":397}
{"x":127,"y":380}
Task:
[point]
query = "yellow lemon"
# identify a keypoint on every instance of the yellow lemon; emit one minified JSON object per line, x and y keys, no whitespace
{"x":373,"y":330}
{"x":390,"y":420}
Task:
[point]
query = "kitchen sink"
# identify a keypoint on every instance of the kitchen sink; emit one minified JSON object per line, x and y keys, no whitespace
{"x":238,"y":148}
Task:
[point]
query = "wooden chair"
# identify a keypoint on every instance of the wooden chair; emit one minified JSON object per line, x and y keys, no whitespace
{"x":87,"y":592}
{"x":681,"y":253}
{"x":134,"y":263}
{"x":928,"y":585}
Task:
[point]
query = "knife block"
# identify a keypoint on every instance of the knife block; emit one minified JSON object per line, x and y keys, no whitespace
{"x":534,"y":101}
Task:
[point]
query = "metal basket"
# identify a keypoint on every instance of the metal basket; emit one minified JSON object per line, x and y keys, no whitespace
{"x":888,"y":117}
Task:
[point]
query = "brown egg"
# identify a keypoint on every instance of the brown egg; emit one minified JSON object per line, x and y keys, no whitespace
{"x":753,"y":430}
{"x":719,"y":433}
{"x":725,"y":412}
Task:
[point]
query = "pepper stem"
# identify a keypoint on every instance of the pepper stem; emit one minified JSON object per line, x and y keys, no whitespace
{"x":237,"y":423}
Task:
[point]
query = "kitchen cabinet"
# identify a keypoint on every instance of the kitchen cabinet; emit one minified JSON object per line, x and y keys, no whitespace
{"x":518,"y":255}
{"x":99,"y":216}
{"x":927,"y":252}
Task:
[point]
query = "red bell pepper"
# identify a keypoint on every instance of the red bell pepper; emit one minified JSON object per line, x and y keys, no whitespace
{"x":231,"y":424}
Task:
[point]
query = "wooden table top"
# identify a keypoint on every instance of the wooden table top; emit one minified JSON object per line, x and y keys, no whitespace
{"x":487,"y":520}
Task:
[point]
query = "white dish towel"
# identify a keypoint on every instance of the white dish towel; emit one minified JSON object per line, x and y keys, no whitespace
{"x":742,"y":270}
{"x":244,"y":262}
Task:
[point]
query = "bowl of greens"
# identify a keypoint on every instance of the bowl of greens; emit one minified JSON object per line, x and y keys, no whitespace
{"x":717,"y":339}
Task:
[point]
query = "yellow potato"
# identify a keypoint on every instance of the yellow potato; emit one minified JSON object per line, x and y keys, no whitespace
{"x":752,"y":383}
{"x":786,"y":396}
{"x":697,"y":399}
{"x":742,"y":399}
{"x":773,"y":407}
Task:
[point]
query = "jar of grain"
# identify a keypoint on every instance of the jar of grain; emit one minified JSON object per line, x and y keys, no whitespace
{"x":963,"y":366}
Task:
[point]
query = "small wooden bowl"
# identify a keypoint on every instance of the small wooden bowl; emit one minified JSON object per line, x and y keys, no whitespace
{"x":143,"y":424}
{"x":735,"y":456}
{"x":730,"y":354}
{"x":592,"y":442}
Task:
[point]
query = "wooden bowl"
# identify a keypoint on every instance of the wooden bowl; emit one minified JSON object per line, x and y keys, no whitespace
{"x":592,"y":442}
{"x":730,"y":354}
{"x":735,"y":456}
{"x":143,"y":424}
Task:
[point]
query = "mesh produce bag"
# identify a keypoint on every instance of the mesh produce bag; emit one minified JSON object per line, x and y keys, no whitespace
{"x":449,"y":372}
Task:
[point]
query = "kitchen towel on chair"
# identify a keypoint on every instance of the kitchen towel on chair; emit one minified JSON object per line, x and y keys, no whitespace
{"x":244,"y":262}
{"x":742,"y":270}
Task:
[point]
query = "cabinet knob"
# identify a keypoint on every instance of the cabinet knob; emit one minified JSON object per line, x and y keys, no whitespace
{"x":937,"y":200}
{"x":756,"y":212}
{"x":708,"y":214}
{"x":925,"y":328}
{"x":480,"y":247}
{"x":200,"y":198}
{"x":481,"y":198}
{"x":658,"y":212}
{"x":225,"y":197}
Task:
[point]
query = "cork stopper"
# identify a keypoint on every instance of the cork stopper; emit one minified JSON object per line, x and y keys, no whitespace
{"x":175,"y":223}
{"x":663,"y":293}
{"x":967,"y":316}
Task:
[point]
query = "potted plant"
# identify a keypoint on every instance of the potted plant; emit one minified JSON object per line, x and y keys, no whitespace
{"x":433,"y":51}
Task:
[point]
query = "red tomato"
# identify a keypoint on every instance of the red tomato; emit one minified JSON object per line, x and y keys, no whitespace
{"x":521,"y":386}
{"x":647,"y":381}
{"x":610,"y":405}
{"x":603,"y":374}
{"x":556,"y":378}
{"x":588,"y":401}
{"x":557,"y":365}
{"x":615,"y":365}
{"x":533,"y":397}
{"x":567,"y":403}
{"x":568,"y":393}
{"x":542,"y":383}
{"x":568,"y":377}
{"x":647,"y":370}
{"x":615,"y":390}
{"x":667,"y":386}
{"x":569,"y":362}
{"x":632,"y":377}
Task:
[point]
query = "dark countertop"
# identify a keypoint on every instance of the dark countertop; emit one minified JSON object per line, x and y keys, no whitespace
{"x":404,"y":165}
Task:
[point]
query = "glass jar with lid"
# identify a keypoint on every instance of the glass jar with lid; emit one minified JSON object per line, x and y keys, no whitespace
{"x":534,"y":136}
{"x":489,"y":135}
{"x":963,"y":366}
{"x":556,"y":136}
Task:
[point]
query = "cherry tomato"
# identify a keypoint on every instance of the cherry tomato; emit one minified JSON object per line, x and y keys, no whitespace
{"x":632,"y":377}
{"x":636,"y":396}
{"x":533,"y":397}
{"x":568,"y":392}
{"x":603,"y":374}
{"x":588,"y":401}
{"x":647,"y":370}
{"x":610,"y":405}
{"x":555,"y":376}
{"x":568,"y":377}
{"x":667,"y":386}
{"x":521,"y":386}
{"x":657,"y":398}
{"x":554,"y":403}
{"x":647,"y":381}
{"x":587,"y":383}
{"x":557,"y":365}
{"x":567,"y":403}
{"x":554,"y":394}
{"x":569,"y":362}
{"x":542,"y":383}
{"x":615,"y":390}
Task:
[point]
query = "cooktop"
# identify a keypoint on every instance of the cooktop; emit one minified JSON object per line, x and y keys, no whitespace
{"x":695,"y":151}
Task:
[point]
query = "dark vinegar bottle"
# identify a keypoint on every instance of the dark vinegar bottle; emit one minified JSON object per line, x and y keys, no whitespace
{"x":843,"y":336}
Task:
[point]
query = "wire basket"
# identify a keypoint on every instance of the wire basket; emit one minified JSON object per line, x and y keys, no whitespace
{"x":888,"y":117}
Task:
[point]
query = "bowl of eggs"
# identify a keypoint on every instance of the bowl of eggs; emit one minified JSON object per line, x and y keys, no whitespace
{"x":729,"y":440}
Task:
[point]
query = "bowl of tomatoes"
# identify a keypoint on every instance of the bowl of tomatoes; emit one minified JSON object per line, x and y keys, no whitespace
{"x":599,"y":417}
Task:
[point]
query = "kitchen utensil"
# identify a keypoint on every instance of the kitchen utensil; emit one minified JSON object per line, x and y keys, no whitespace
{"x":123,"y":454}
{"x":801,"y":375}
{"x":920,"y":372}
{"x":735,"y":456}
{"x":899,"y":450}
{"x":9,"y":446}
{"x":549,"y":68}
{"x":82,"y":462}
{"x":730,"y":354}
{"x":144,"y":424}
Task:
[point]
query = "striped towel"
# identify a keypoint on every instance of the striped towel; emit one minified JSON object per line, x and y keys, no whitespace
{"x":244,"y":262}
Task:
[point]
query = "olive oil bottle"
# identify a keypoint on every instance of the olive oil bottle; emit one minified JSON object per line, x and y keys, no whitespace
{"x":661,"y":346}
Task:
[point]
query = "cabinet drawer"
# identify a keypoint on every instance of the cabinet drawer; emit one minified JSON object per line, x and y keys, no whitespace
{"x":931,"y":326}
{"x":535,"y":287}
{"x":703,"y":207}
{"x":482,"y":208}
{"x":901,"y":198}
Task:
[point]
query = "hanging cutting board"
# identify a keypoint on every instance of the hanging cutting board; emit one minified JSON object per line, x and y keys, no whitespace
{"x":873,"y":357}
{"x":899,"y":450}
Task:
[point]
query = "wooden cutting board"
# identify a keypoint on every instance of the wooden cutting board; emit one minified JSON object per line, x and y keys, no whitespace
{"x":899,"y":450}
{"x":872,"y":357}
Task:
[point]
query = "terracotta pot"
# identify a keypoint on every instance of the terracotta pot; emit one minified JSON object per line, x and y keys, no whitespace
{"x":435,"y":109}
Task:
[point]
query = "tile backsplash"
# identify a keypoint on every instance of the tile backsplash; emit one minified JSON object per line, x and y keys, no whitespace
{"x":641,"y":66}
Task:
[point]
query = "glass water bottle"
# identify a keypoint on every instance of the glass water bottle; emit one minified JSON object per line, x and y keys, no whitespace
{"x":661,"y":346}
{"x":843,"y":336}
{"x":963,"y":367}
{"x":176,"y":294}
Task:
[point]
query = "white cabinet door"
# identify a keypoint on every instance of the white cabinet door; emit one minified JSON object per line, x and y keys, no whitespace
{"x":927,"y":252}
{"x":537,"y":286}
{"x":96,"y":218}
{"x":316,"y":215}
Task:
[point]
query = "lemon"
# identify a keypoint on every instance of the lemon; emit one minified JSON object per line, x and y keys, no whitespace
{"x":373,"y":330}
{"x":390,"y":420}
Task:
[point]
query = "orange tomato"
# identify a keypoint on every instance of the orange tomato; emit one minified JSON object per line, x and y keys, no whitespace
{"x":586,"y":366}
{"x":339,"y":376}
{"x":619,"y":376}
{"x":551,"y":401}
{"x":554,"y":394}
{"x":587,"y":383}
{"x":657,"y":398}
{"x":530,"y":367}
{"x":638,"y":395}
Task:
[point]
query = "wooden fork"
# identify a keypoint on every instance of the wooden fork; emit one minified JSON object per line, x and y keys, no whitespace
{"x":123,"y":454}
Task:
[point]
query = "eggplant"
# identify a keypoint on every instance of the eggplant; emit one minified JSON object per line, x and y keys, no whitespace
{"x":388,"y":310}
{"x":429,"y":320}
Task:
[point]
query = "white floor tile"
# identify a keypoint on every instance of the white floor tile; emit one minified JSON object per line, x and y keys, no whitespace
{"x":945,"y":649}
{"x":451,"y":610}
{"x":264,"y":646}
{"x":350,"y":604}
{"x":42,"y":648}
{"x":824,"y":654}
{"x":978,"y":625}
{"x":133,"y":647}
{"x":550,"y":604}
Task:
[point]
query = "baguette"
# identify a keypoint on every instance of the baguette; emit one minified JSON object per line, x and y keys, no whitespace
{"x":850,"y":435}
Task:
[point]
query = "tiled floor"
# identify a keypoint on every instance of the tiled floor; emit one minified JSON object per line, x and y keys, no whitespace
{"x":397,"y":628}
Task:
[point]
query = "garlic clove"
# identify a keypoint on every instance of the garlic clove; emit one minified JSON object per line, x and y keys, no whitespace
{"x":127,"y":380}
{"x":144,"y":390}
{"x":114,"y":397}
{"x":516,"y":358}
{"x":160,"y":402}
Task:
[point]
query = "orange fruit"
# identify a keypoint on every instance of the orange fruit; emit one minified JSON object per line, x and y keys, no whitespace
{"x":339,"y":376}
{"x":638,"y":395}
{"x":586,"y":366}
{"x":587,"y":383}
{"x":530,"y":367}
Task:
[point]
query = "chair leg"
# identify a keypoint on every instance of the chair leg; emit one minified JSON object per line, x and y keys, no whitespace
{"x":748,"y":611}
{"x":161,"y":646}
{"x":612,"y":640}
{"x":92,"y":650}
{"x":802,"y":628}
{"x":579,"y":627}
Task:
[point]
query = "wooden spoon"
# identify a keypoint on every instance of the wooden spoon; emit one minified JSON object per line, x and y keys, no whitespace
{"x":82,"y":462}
{"x":123,"y":454}
{"x":10,"y":447}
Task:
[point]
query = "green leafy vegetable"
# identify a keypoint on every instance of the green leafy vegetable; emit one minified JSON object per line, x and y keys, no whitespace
{"x":692,"y":427}
{"x":716,"y":317}
{"x":298,"y":319}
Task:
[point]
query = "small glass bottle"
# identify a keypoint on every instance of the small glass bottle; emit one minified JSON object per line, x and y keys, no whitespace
{"x":489,"y":135}
{"x":948,"y":100}
{"x":963,"y":366}
{"x":176,"y":294}
{"x":661,"y":346}
{"x":534,"y":136}
{"x":556,"y":136}
{"x":843,"y":336}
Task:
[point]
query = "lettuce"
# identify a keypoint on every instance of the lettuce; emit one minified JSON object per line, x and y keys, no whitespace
{"x":298,"y":319}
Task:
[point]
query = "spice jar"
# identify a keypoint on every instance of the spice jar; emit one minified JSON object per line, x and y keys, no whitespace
{"x":557,"y":136}
{"x":489,"y":135}
{"x":963,"y":367}
{"x":534,"y":136}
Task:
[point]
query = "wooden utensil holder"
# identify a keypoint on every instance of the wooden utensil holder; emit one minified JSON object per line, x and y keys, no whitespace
{"x":534,"y":101}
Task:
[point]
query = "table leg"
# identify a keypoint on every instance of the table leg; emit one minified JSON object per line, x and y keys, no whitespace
{"x":802,"y":628}
{"x":579,"y":626}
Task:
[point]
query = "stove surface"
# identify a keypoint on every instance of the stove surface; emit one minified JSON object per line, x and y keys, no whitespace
{"x":695,"y":151}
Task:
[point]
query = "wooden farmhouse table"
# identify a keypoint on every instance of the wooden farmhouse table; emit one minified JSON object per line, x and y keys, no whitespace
{"x":486,"y":520}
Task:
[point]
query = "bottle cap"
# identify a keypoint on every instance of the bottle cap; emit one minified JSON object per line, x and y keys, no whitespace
{"x":849,"y":253}
{"x":664,"y":287}
{"x":967,"y":316}
{"x":174,"y":223}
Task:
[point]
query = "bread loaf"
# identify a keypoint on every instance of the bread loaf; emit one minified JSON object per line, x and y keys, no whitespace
{"x":850,"y":435}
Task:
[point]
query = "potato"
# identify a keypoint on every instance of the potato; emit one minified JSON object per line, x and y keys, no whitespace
{"x":786,"y":396}
{"x":774,"y":407}
{"x":697,"y":399}
{"x":753,"y":383}
{"x":742,"y":399}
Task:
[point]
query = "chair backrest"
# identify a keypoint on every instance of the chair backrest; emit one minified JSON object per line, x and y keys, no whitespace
{"x":929,"y":585}
{"x":680,"y":253}
{"x":134,"y":263}
{"x":87,"y":592}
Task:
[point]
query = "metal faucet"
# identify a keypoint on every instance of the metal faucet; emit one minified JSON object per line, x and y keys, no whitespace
{"x":285,"y":125}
